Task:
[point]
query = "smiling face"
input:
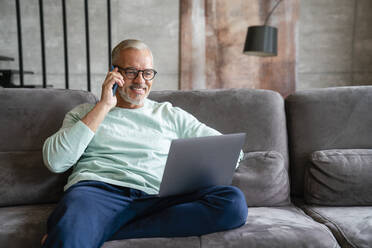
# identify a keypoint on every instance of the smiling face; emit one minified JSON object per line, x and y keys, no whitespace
{"x":135,"y":91}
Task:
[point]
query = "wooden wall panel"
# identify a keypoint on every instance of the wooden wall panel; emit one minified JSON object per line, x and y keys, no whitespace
{"x":226,"y":66}
{"x":192,"y":45}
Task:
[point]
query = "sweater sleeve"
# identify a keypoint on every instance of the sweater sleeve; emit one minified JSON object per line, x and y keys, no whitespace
{"x":64,"y":148}
{"x":188,"y":127}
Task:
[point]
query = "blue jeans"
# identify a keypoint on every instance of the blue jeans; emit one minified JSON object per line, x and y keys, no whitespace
{"x":92,"y":212}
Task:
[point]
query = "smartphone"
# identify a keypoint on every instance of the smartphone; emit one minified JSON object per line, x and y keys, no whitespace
{"x":115,"y":87}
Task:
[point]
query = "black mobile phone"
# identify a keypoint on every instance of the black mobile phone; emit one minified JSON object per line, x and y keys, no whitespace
{"x":115,"y":87}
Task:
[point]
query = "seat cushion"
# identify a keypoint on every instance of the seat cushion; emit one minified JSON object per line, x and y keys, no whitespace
{"x":266,"y":227}
{"x":263,"y":178}
{"x":274,"y":227}
{"x":27,"y":224}
{"x":192,"y":242}
{"x":340,"y":177}
{"x":352,"y":226}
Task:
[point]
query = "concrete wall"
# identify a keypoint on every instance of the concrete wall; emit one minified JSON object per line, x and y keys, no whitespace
{"x":334,"y":40}
{"x":154,"y":22}
{"x":334,"y":43}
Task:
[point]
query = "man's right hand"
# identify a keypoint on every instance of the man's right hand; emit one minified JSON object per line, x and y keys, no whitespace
{"x":94,"y":118}
{"x":112,"y":77}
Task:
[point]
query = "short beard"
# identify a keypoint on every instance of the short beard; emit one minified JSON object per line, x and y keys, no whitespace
{"x":126,"y":98}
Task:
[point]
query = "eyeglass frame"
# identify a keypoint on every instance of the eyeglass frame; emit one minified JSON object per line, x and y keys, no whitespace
{"x":138,"y":71}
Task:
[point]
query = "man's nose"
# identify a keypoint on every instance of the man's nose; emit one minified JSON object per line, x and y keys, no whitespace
{"x":139,"y":79}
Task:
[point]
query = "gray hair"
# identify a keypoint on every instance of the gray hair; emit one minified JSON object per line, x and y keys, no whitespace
{"x":125,"y":44}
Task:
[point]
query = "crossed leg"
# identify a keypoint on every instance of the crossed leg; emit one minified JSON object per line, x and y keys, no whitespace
{"x":92,"y":212}
{"x":209,"y":210}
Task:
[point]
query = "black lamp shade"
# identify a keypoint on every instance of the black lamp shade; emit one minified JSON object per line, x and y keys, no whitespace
{"x":261,"y":41}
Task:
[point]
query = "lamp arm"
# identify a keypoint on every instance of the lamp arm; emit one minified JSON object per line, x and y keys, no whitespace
{"x":276,"y":5}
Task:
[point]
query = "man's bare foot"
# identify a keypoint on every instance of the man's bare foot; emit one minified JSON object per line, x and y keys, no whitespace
{"x":44,"y":238}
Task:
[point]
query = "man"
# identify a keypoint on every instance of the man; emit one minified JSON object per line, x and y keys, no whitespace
{"x":118,"y":148}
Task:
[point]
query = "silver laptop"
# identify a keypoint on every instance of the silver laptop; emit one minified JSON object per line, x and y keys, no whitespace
{"x":196,"y":163}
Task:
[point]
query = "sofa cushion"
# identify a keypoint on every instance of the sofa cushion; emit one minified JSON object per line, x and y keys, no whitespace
{"x":273,"y":227}
{"x":29,"y":116}
{"x":339,"y":177}
{"x":25,"y":179}
{"x":324,"y":119}
{"x":258,"y":113}
{"x":352,"y":226}
{"x":23,"y":226}
{"x":263,"y":179}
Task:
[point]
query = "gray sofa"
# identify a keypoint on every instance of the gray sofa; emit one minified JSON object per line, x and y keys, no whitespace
{"x":306,"y":173}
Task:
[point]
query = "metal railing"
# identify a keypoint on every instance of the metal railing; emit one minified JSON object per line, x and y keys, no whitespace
{"x":65,"y":42}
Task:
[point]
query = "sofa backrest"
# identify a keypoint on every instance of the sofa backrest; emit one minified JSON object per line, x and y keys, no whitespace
{"x":258,"y":113}
{"x":323,"y":119}
{"x":28,"y":117}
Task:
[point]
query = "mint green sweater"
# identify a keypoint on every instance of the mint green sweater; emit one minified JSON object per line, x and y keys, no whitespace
{"x":129,"y":149}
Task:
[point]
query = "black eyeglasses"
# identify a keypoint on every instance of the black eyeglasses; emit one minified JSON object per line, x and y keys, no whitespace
{"x":132,"y":73}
